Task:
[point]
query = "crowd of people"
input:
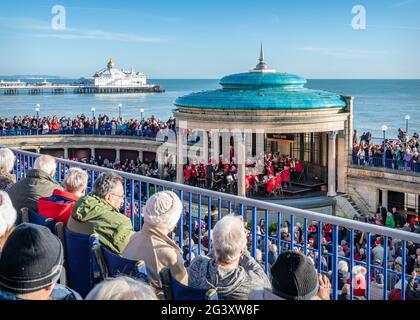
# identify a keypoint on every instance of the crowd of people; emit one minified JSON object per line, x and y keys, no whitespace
{"x":31,"y":255}
{"x":398,"y":154}
{"x":147,"y":167}
{"x":81,"y":124}
{"x":266,"y":176}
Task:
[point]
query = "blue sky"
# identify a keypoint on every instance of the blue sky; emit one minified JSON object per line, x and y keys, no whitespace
{"x":209,"y":39}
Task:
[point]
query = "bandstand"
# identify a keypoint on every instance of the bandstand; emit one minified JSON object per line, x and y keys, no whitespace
{"x":263,"y":111}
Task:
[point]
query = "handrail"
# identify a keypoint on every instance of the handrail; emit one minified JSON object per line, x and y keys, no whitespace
{"x":313,"y":216}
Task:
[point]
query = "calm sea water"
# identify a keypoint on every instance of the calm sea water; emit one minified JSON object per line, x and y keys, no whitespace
{"x":377,"y":102}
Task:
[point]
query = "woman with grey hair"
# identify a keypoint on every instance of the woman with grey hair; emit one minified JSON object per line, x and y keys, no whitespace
{"x":7,"y":218}
{"x":7,"y":162}
{"x":229,"y":268}
{"x":153,"y":245}
{"x":122,"y":288}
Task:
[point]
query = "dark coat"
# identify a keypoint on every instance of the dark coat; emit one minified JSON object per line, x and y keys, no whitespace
{"x":26,"y":192}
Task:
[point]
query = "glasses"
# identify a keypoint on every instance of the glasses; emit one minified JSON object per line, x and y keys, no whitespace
{"x":117,"y":195}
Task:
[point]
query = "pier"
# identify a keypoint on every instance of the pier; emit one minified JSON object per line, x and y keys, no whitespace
{"x":63,"y":89}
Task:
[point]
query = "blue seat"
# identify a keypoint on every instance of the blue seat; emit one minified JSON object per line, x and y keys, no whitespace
{"x":81,"y":268}
{"x":174,"y":290}
{"x":112,"y":265}
{"x":33,"y":217}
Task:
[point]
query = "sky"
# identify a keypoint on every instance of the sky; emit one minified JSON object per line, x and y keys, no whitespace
{"x":210,"y":39}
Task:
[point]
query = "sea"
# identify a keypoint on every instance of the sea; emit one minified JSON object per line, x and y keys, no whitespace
{"x":377,"y":102}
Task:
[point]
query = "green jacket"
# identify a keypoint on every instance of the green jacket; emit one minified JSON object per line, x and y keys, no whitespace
{"x":389,"y":222}
{"x":92,"y":214}
{"x":27,"y":191}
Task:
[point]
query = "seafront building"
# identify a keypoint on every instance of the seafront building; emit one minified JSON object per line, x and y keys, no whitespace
{"x":111,"y":76}
{"x":255,"y":113}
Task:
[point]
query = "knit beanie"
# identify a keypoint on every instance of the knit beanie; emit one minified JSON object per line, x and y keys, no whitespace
{"x":31,"y":259}
{"x":163,"y":209}
{"x":294,"y":277}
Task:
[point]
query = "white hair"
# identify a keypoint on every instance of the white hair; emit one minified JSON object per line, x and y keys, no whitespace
{"x":7,"y":160}
{"x":343,"y":266}
{"x":122,"y":288}
{"x":75,"y":180}
{"x":7,"y":213}
{"x":46,"y":164}
{"x":229,"y":238}
{"x":163,"y":209}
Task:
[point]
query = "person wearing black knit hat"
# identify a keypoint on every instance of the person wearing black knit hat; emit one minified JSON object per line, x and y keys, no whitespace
{"x":30,"y":266}
{"x":293,"y":277}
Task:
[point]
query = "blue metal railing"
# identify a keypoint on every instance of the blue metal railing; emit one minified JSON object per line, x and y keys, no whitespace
{"x":198,"y":201}
{"x":83,"y":131}
{"x":389,"y":164}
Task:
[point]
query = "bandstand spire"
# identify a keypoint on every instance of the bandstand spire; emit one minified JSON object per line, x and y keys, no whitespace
{"x":261,"y":66}
{"x":261,"y":53}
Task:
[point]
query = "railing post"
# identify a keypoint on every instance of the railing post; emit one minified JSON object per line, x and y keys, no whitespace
{"x":181,"y":221}
{"x":385,"y":263}
{"x":132,"y":211}
{"x":403,"y":255}
{"x":140,"y":204}
{"x":267,"y":233}
{"x":209,"y":227}
{"x":190,"y":231}
{"x":368,"y":263}
{"x":351,"y":262}
{"x":254,"y":239}
{"x":335,"y":263}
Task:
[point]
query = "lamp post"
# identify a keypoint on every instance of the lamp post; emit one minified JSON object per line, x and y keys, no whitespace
{"x":119,"y":110}
{"x":93,"y":120}
{"x":37,"y":117}
{"x":407,"y":117}
{"x":384,"y":129}
{"x":141,"y":114}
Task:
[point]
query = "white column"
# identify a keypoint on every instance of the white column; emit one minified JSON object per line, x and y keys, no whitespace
{"x":248,"y":144}
{"x":324,"y":156}
{"x":226,"y":145}
{"x":141,"y":155}
{"x":92,"y":152}
{"x":241,"y":165}
{"x":341,"y":164}
{"x":215,"y":146}
{"x":66,"y":153}
{"x":179,"y":156}
{"x":117,"y":155}
{"x":205,"y":146}
{"x":385,"y":199}
{"x":331,"y":164}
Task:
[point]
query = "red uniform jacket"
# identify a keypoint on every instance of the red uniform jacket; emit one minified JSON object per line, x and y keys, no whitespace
{"x":58,"y":206}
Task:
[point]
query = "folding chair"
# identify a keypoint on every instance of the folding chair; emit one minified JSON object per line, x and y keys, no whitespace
{"x":30,"y":216}
{"x":174,"y":290}
{"x":82,"y":271}
{"x":112,"y":265}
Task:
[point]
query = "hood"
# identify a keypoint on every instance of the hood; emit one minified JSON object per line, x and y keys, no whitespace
{"x":90,"y":207}
{"x":7,"y":296}
{"x":207,"y":274}
{"x":39,"y":174}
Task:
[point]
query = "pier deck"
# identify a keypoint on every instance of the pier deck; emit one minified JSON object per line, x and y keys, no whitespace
{"x":62,"y":89}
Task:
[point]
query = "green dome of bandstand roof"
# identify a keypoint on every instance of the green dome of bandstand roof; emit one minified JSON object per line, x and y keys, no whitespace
{"x":262,"y":89}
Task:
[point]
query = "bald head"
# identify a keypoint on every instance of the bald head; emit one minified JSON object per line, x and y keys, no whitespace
{"x":46,"y":164}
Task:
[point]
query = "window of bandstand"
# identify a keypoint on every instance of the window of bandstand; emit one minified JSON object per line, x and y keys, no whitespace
{"x":306,"y":147}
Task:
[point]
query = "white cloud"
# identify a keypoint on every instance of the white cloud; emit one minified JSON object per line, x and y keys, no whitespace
{"x":77,"y":34}
{"x":342,"y":53}
{"x":30,"y":24}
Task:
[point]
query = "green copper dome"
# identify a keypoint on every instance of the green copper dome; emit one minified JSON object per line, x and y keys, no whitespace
{"x":262,"y":89}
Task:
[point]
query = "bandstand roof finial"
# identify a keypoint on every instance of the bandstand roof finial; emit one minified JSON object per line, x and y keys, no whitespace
{"x":261,"y":53}
{"x":261,"y":66}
